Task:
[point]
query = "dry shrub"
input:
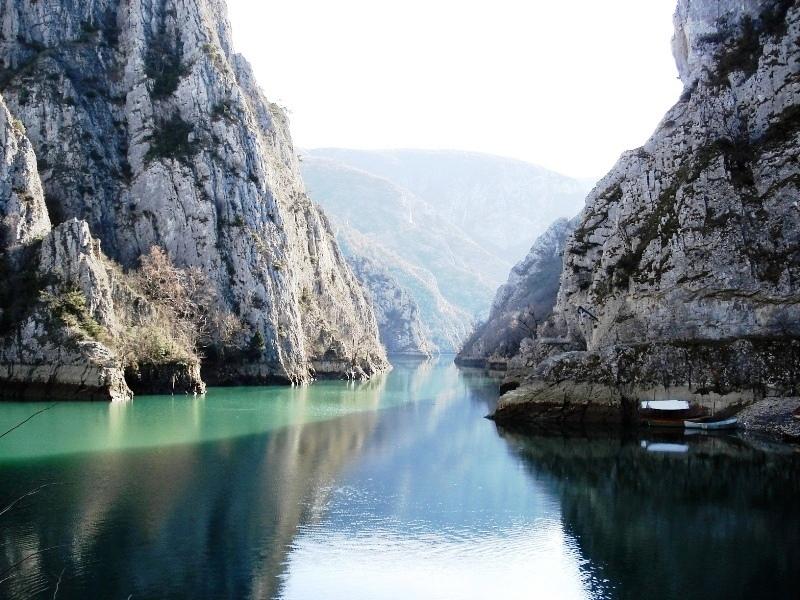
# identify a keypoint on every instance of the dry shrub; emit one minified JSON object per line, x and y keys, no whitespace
{"x":181,"y":315}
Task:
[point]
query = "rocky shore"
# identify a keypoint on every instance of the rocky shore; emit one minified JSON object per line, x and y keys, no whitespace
{"x":680,"y":279}
{"x":773,"y":416}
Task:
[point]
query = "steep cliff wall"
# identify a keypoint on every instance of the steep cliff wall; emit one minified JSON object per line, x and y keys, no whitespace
{"x":522,"y":303}
{"x":682,"y":275}
{"x":23,"y":214}
{"x":149,"y":127}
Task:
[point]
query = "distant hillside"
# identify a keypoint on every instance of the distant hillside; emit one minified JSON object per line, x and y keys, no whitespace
{"x":502,"y":203}
{"x":445,"y":326}
{"x":524,"y":301}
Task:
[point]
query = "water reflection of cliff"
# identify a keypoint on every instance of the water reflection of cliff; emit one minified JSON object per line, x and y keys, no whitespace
{"x":211,"y":520}
{"x":718,"y":520}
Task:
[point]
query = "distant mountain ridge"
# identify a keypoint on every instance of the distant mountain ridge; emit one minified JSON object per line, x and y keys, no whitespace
{"x":503,"y":203}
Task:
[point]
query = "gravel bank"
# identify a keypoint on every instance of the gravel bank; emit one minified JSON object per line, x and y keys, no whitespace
{"x":773,"y":416}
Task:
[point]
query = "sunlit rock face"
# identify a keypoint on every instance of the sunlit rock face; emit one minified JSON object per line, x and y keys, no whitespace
{"x":524,"y":301}
{"x":147,"y":125}
{"x":44,"y":354}
{"x":682,"y":272}
{"x":38,"y":354}
{"x":23,"y":214}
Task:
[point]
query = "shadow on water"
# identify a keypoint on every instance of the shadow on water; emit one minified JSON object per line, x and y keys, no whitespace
{"x":676,"y":516}
{"x":212,"y":520}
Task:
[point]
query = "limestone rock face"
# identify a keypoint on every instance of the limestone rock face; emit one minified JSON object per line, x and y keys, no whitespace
{"x":23,"y":214}
{"x":149,"y":127}
{"x":56,"y":350}
{"x":524,"y":301}
{"x":691,"y":244}
{"x":401,"y":330}
{"x":70,"y":256}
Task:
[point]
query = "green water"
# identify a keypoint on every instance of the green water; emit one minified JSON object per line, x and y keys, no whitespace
{"x":393,"y":489}
{"x":159,"y":421}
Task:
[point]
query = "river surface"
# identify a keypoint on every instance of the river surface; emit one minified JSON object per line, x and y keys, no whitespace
{"x":393,"y":489}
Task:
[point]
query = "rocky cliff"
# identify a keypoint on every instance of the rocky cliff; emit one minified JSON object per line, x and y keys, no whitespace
{"x":23,"y":214}
{"x":61,"y":346}
{"x":67,"y":314}
{"x":401,"y":330}
{"x":147,"y":126}
{"x":682,"y":274}
{"x":39,"y":353}
{"x":522,"y":303}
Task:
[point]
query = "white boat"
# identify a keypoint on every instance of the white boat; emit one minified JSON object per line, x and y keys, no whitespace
{"x":711,"y":423}
{"x":668,"y":405}
{"x":669,"y":413}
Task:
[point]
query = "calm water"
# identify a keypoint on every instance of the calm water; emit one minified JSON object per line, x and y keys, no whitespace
{"x":394,"y":489}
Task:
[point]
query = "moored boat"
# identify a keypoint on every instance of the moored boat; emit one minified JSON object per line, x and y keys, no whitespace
{"x":711,"y":423}
{"x":669,"y":413}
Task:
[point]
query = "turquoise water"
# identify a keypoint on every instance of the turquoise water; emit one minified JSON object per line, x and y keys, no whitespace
{"x":396,"y":488}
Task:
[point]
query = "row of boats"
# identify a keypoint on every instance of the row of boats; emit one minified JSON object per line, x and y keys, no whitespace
{"x":680,"y":413}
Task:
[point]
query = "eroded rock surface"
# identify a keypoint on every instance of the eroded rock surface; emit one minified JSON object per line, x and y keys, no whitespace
{"x":56,"y":347}
{"x":23,"y":214}
{"x":682,"y":274}
{"x":148,"y":126}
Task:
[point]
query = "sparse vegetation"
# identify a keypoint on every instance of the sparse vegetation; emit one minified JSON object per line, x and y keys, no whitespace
{"x":182,"y":303}
{"x":256,"y":346}
{"x":163,"y":64}
{"x":745,"y":52}
{"x":69,"y":307}
{"x":18,"y":126}
{"x":223,"y":110}
{"x":180,"y":319}
{"x":171,"y":141}
{"x":742,"y":56}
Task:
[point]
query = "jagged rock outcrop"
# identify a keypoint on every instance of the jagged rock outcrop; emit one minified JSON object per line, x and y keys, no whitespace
{"x":56,"y":349}
{"x":40,"y":354}
{"x":524,"y":301}
{"x":682,"y":275}
{"x":401,"y":331}
{"x":23,"y":214}
{"x":147,"y":125}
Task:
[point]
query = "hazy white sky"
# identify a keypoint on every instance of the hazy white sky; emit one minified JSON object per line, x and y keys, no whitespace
{"x":567,"y":85}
